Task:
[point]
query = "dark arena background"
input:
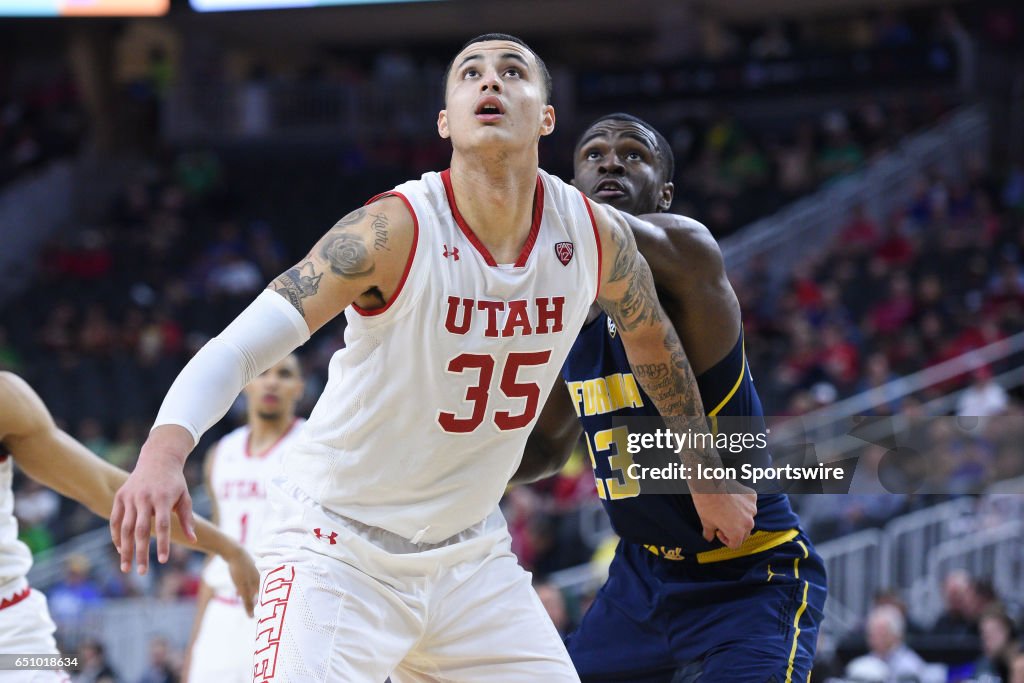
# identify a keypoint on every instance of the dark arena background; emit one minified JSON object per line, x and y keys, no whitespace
{"x":861,"y":163}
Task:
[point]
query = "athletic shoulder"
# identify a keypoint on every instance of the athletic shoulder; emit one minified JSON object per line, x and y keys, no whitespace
{"x":676,"y":241}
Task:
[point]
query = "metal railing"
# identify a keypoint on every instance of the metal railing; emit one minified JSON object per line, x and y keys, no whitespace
{"x":127,"y":628}
{"x":851,"y":565}
{"x":904,"y":549}
{"x":996,"y":554}
{"x":828,"y":427}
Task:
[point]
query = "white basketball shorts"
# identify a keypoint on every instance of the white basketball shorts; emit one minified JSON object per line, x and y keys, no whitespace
{"x":341,"y":601}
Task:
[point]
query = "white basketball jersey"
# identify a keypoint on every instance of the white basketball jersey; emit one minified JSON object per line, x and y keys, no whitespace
{"x":15,"y":557}
{"x":427,"y":409}
{"x":238,"y":483}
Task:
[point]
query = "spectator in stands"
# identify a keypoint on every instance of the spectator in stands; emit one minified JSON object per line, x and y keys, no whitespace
{"x":74,"y":599}
{"x":885,"y":632}
{"x":997,"y":643}
{"x":841,"y":154}
{"x":95,"y":667}
{"x":872,"y":503}
{"x":959,"y":617}
{"x":984,"y":398}
{"x":878,"y":377}
{"x":890,"y":597}
{"x":36,"y":507}
{"x":860,"y":233}
{"x":162,"y":667}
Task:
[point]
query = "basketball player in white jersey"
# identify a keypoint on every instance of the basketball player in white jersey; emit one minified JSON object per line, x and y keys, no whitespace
{"x":237,"y":470}
{"x":384,"y":551}
{"x":29,"y":437}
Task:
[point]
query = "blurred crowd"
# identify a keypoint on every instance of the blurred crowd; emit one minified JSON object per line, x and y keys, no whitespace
{"x":939,"y":276}
{"x":976,"y":639}
{"x":116,"y":310}
{"x":117,"y":307}
{"x":40,"y":120}
{"x":730,"y":174}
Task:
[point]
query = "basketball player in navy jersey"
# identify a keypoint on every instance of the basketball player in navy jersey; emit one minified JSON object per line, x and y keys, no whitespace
{"x":678,"y":606}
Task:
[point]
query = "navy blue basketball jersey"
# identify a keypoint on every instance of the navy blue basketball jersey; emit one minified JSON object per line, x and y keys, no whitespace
{"x":607,"y":396}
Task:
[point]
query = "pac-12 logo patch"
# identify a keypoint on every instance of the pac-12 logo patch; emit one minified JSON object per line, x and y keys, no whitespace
{"x":612,"y":330}
{"x":564,"y":252}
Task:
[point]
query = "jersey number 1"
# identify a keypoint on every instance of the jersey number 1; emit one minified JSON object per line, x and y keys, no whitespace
{"x":478,"y":394}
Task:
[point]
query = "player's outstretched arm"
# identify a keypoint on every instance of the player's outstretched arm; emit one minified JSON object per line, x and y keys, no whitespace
{"x":660,"y":365}
{"x":553,"y":437}
{"x":360,"y":259}
{"x":56,"y":460}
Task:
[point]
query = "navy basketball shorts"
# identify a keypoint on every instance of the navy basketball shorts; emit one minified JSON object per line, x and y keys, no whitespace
{"x":749,"y":619}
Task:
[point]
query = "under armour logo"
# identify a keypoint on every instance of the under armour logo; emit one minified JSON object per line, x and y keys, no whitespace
{"x":332,"y":537}
{"x":453,"y":253}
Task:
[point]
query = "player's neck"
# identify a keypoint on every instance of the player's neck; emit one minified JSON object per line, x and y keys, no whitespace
{"x":264,"y":433}
{"x":496,"y":199}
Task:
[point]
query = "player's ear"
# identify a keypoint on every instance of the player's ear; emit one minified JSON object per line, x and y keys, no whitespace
{"x":442,"y":124}
{"x":547,"y":120}
{"x":668,"y":191}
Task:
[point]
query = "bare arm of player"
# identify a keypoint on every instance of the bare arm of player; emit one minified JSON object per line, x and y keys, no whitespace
{"x":553,"y":437}
{"x":360,"y":260}
{"x":661,"y":367}
{"x":698,"y":298}
{"x":56,"y":460}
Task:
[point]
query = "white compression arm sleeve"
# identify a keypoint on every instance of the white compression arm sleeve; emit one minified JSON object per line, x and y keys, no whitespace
{"x":264,"y":333}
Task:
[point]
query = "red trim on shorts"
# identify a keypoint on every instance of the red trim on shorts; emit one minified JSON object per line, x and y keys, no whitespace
{"x":16,"y":597}
{"x":531,"y":238}
{"x":597,"y":235}
{"x":408,"y":263}
{"x":227,"y":601}
{"x":266,"y":451}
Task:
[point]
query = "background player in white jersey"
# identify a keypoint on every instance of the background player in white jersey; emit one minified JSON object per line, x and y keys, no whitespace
{"x":238,"y":468}
{"x":386,"y":552}
{"x":45,"y":453}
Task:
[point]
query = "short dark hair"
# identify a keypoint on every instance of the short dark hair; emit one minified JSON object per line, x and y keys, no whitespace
{"x":486,"y":37}
{"x":665,"y":155}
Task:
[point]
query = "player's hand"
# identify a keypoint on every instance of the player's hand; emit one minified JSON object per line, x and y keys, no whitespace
{"x":245,"y":576}
{"x":154,"y":489}
{"x":728,"y":513}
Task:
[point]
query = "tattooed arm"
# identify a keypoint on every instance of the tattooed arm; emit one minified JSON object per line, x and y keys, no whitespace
{"x":661,"y":367}
{"x":359,"y":260}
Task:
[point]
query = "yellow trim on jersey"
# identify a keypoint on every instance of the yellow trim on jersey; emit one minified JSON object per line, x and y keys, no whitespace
{"x":799,"y":613}
{"x":758,"y":542}
{"x":735,"y":387}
